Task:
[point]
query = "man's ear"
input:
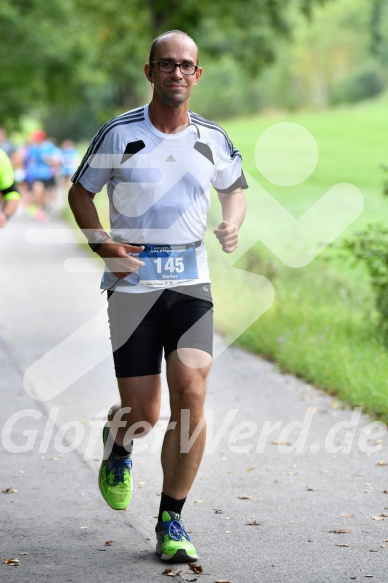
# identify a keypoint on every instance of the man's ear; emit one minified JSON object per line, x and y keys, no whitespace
{"x":148,"y":71}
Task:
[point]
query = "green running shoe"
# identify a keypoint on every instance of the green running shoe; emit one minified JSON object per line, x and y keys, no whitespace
{"x":173,"y":542}
{"x":115,"y":479}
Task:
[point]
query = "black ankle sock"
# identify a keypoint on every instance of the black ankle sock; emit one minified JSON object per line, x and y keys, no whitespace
{"x":121,"y":450}
{"x":168,"y":503}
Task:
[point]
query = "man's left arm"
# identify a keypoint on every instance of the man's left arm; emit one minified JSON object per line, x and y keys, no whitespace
{"x":233,"y":212}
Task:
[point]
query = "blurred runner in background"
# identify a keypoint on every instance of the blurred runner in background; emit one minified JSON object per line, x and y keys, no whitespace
{"x":9,"y":194}
{"x":69,"y":163}
{"x":42,"y":160}
{"x":5,"y":143}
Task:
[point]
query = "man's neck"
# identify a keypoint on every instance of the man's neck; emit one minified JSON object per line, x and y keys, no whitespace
{"x":167,"y":119}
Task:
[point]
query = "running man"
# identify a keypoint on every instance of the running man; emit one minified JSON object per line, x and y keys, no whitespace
{"x":8,"y":190}
{"x":159,"y":162}
{"x":41,"y":161}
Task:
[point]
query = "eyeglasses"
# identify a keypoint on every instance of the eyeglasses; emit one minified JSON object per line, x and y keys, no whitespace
{"x":170,"y":66}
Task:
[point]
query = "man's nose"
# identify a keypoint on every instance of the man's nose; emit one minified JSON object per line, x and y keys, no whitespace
{"x":176,"y":73}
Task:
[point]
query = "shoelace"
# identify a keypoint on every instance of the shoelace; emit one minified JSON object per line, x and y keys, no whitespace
{"x":118,"y":467}
{"x":176,"y":530}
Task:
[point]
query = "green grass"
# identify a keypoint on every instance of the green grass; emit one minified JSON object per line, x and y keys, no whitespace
{"x":322,"y":324}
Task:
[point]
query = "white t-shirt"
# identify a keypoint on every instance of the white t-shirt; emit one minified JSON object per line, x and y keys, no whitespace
{"x":159,"y":188}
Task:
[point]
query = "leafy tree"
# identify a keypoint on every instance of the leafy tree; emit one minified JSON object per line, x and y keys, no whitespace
{"x":379,"y":31}
{"x":329,"y":60}
{"x":41,"y":55}
{"x":52,"y":51}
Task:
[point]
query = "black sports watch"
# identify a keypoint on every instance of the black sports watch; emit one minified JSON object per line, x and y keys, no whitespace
{"x":96,"y":239}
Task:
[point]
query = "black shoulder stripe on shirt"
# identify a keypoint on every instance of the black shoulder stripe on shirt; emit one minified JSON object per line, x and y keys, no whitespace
{"x":93,"y":148}
{"x":123,"y":116}
{"x":213,"y":126}
{"x":99,"y":137}
{"x":209,"y":123}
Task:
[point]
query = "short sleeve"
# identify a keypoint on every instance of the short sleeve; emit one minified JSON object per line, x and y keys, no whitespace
{"x":96,"y":166}
{"x":229,"y":174}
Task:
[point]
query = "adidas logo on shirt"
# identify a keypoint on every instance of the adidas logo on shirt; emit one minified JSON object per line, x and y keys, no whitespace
{"x":170,"y":158}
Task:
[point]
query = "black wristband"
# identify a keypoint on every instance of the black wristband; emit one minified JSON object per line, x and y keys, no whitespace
{"x":97,"y":239}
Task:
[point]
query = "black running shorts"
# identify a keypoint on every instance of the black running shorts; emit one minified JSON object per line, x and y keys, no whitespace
{"x":142,"y":325}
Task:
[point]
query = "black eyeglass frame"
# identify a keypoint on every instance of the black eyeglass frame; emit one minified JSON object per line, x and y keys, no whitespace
{"x":175,"y":65}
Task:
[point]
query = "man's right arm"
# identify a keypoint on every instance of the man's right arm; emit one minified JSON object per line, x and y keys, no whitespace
{"x":114,"y":254}
{"x":84,"y":209}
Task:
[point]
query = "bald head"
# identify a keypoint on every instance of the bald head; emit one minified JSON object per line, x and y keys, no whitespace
{"x":169,"y":35}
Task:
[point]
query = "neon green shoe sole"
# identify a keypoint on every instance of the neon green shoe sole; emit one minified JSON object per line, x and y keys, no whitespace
{"x":173,"y":543}
{"x":115,"y":478}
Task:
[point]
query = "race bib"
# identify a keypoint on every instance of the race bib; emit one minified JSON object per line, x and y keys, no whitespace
{"x":165,"y":264}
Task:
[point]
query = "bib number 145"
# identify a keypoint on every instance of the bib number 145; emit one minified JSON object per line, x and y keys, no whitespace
{"x":171,"y":265}
{"x":166,"y":263}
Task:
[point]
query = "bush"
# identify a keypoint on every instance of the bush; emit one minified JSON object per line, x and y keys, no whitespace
{"x":371,"y":247}
{"x":364,"y":84}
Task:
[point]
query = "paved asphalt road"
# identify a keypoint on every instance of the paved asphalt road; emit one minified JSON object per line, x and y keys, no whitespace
{"x":269,"y":500}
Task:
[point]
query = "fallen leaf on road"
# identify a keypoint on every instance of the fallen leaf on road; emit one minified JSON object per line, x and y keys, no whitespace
{"x":172,"y":573}
{"x":244,"y":497}
{"x":109,"y":543}
{"x":310,"y":489}
{"x":9,"y":491}
{"x":198,"y":501}
{"x":382,"y":463}
{"x":341,"y":531}
{"x":341,"y":545}
{"x":23,"y":553}
{"x":253,"y":523}
{"x":347,"y":515}
{"x":373,"y":550}
{"x":370,"y":576}
{"x":385,"y":492}
{"x":11,"y":561}
{"x":217,"y":511}
{"x":195,"y":568}
{"x":192,"y":579}
{"x":222,"y":581}
{"x":384,"y":546}
{"x":378,"y":518}
{"x":83,"y":527}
